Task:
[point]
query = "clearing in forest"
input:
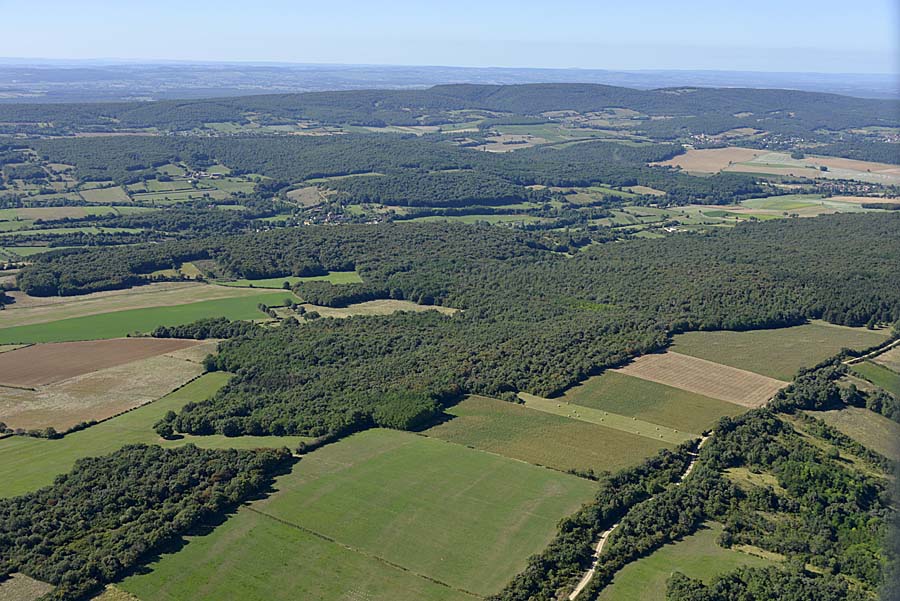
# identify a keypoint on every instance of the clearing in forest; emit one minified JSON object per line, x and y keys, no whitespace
{"x":650,"y":401}
{"x":540,"y":438}
{"x":875,"y":431}
{"x":704,"y":377}
{"x":42,"y":364}
{"x":334,"y":277}
{"x":778,"y":353}
{"x":377,"y":307}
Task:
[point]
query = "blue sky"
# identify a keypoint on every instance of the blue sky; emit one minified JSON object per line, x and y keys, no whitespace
{"x":765,"y":35}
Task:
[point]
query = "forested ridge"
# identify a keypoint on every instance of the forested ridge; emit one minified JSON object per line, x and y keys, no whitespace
{"x":110,"y":513}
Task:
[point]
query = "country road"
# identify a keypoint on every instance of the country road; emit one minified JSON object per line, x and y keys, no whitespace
{"x":605,"y":536}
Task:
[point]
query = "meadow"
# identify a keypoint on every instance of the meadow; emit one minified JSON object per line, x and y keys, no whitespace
{"x":451,"y":515}
{"x":122,"y":323}
{"x":657,"y":403}
{"x":27,"y":464}
{"x":696,"y":556}
{"x":777,"y":353}
{"x":871,"y":429}
{"x":335,"y":277}
{"x":879,"y":375}
{"x":889,"y":359}
{"x":541,"y":438}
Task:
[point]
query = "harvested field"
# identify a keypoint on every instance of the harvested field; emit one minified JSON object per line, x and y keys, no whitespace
{"x":890,"y":359}
{"x":5,"y":348}
{"x":866,"y":199}
{"x":704,"y":377}
{"x":96,"y":395}
{"x":875,"y":431}
{"x":540,"y":438}
{"x":711,"y":160}
{"x":20,"y":587}
{"x":42,"y":364}
{"x":377,"y":307}
{"x":308,"y":196}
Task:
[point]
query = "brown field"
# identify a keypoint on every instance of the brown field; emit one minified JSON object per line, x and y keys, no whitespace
{"x":377,"y":307}
{"x":306,"y":197}
{"x":890,"y":359}
{"x":30,"y":309}
{"x":97,"y":395}
{"x":20,"y":587}
{"x":704,"y":377}
{"x":5,"y":348}
{"x":866,"y":199}
{"x":114,"y":593}
{"x":711,"y":160}
{"x":43,"y":364}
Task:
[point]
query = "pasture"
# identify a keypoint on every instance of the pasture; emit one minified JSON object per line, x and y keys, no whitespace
{"x":334,"y":277}
{"x":616,"y":392}
{"x":696,"y":556}
{"x":122,"y":323}
{"x":114,"y":194}
{"x":869,"y":428}
{"x":889,"y":359}
{"x":711,"y":160}
{"x":27,"y":464}
{"x":42,"y":364}
{"x":540,"y":438}
{"x":879,"y":375}
{"x":777,"y":353}
{"x":704,"y":377}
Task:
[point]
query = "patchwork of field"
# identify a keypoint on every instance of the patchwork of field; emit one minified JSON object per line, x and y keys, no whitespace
{"x":777,"y":353}
{"x":42,"y":364}
{"x":626,"y":395}
{"x":94,"y":395}
{"x":22,"y":588}
{"x":704,"y":377}
{"x":27,"y":464}
{"x":890,"y":359}
{"x":379,"y":502}
{"x":871,"y":429}
{"x":376,"y":307}
{"x":122,"y":323}
{"x":541,"y":438}
{"x":696,"y":556}
{"x":879,"y":375}
{"x":335,"y":277}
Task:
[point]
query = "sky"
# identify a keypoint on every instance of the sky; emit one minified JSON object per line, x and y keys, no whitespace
{"x":827,"y":36}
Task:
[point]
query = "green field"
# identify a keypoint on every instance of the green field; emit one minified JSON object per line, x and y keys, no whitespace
{"x":697,"y":556}
{"x":540,"y":438}
{"x":464,"y":518}
{"x":121,"y":323}
{"x":335,"y":277}
{"x":869,"y":428}
{"x":27,"y":464}
{"x":879,"y":375}
{"x":788,"y":202}
{"x":777,"y":353}
{"x":492,"y":219}
{"x":649,"y":401}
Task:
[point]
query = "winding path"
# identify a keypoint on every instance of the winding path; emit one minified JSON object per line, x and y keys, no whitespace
{"x":605,"y":536}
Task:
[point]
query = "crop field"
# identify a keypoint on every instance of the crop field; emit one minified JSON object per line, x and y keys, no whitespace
{"x":492,"y":219}
{"x":879,"y":375}
{"x":121,"y":323}
{"x":704,"y":377}
{"x":27,"y":464}
{"x":540,"y":438}
{"x":42,"y":364}
{"x":711,"y":160}
{"x":871,"y":429}
{"x":113,"y":194}
{"x":696,"y":556}
{"x":890,"y":359}
{"x":616,"y":392}
{"x":777,"y":353}
{"x":615,"y":421}
{"x":357,"y":512}
{"x":335,"y":277}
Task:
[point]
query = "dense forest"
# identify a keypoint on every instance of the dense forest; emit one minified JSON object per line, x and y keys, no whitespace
{"x":110,"y":513}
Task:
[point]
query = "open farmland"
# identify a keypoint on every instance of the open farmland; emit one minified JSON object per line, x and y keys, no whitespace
{"x":441,"y":513}
{"x":711,"y":160}
{"x":871,"y":429}
{"x":376,"y":307}
{"x":777,"y":353}
{"x":42,"y":364}
{"x":879,"y":375}
{"x":121,"y":323}
{"x":890,"y":359}
{"x":335,"y":277}
{"x":27,"y":464}
{"x":696,"y":556}
{"x":704,"y":377}
{"x":626,"y":395}
{"x":540,"y":438}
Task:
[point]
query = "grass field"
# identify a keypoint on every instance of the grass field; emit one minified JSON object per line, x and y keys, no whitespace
{"x":704,"y":377}
{"x":464,"y":518}
{"x":27,"y":464}
{"x":890,"y":359}
{"x":376,"y":307}
{"x":113,"y":194}
{"x":697,"y":556}
{"x":22,"y":588}
{"x":874,"y":431}
{"x":541,"y":438}
{"x":657,"y":403}
{"x":492,"y":219}
{"x":615,"y":421}
{"x":335,"y":277}
{"x":879,"y":375}
{"x":777,"y":353}
{"x":122,"y":323}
